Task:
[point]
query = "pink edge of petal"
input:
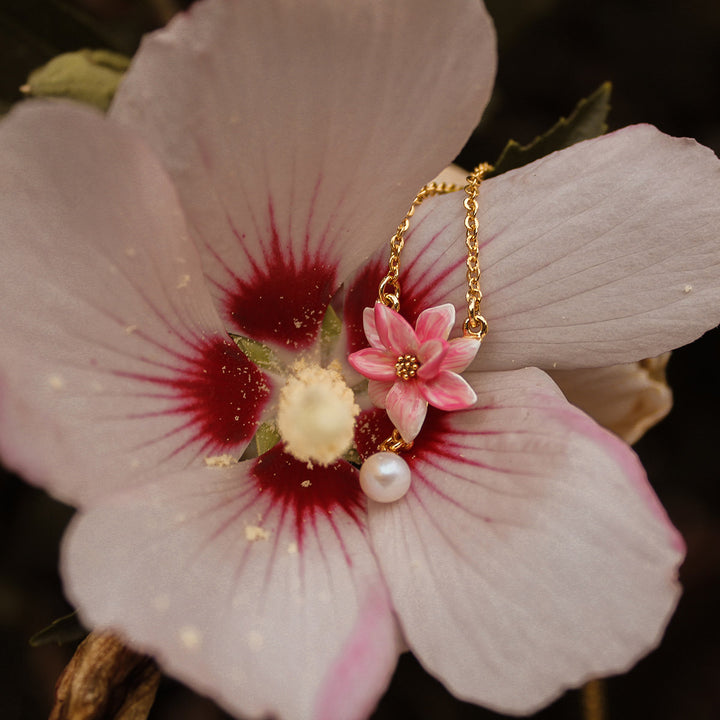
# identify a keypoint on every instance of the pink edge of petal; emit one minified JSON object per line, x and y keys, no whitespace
{"x":364,"y":667}
{"x":435,"y":323}
{"x":617,"y":449}
{"x":374,"y":364}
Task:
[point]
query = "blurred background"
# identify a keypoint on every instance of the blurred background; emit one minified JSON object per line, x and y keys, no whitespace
{"x":663,"y":58}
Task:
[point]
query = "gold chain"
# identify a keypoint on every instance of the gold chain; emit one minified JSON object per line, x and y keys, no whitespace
{"x":475,"y":324}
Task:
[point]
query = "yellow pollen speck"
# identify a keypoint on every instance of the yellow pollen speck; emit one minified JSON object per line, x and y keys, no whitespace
{"x":316,"y":413}
{"x":292,"y":548}
{"x":190,"y":637}
{"x":130,"y":329}
{"x":183,"y":282}
{"x":161,"y":603}
{"x":306,"y":483}
{"x":254,"y":533}
{"x":255,"y":640}
{"x":56,"y":382}
{"x":220,"y":461}
{"x":687,"y":289}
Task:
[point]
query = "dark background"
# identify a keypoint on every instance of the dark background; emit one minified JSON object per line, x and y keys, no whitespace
{"x":663,"y":58}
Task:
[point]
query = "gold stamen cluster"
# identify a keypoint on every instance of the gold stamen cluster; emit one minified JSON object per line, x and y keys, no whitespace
{"x":406,"y":366}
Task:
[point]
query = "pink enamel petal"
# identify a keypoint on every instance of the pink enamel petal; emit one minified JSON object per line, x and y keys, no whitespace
{"x":431,"y":355}
{"x":278,"y":168}
{"x":406,"y":407}
{"x":626,"y":399}
{"x":531,"y":553}
{"x":374,"y":364}
{"x":593,"y":256}
{"x":210,"y":575}
{"x":460,"y":353}
{"x":395,"y":332}
{"x":448,"y":391}
{"x":114,"y":365}
{"x":370,"y":329}
{"x":435,"y":323}
{"x":378,"y":391}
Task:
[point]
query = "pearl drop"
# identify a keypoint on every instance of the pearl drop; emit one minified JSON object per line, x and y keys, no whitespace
{"x":385,"y":477}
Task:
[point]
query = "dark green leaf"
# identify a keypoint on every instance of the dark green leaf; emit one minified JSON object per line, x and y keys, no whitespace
{"x":588,"y":120}
{"x":60,"y":631}
{"x":89,"y":76}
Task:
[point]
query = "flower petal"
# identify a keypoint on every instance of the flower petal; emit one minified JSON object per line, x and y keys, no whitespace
{"x":592,"y":256}
{"x":530,"y":553}
{"x":406,"y":408}
{"x":371,"y":333}
{"x":278,"y":170}
{"x":114,"y":365}
{"x":435,"y":323}
{"x":448,"y":391}
{"x":431,"y":355}
{"x":395,"y":332}
{"x":208,"y":572}
{"x":374,"y":364}
{"x":626,"y":399}
{"x":378,"y":391}
{"x":460,"y":353}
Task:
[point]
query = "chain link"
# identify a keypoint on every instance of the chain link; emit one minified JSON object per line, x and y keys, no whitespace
{"x":389,"y":291}
{"x":475,"y":324}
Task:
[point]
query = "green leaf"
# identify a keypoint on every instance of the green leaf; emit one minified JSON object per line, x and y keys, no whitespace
{"x":587,"y":120}
{"x":60,"y":631}
{"x":329,"y":332}
{"x":89,"y":76}
{"x":257,"y":352}
{"x":266,"y":437}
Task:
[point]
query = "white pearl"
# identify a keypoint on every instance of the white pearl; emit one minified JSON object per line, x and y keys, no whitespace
{"x":385,"y":477}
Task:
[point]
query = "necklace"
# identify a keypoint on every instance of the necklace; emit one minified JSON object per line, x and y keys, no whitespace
{"x":410,"y":368}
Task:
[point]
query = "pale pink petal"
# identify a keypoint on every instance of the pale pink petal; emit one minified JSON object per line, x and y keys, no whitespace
{"x":460,"y":353}
{"x":114,"y":365}
{"x":531,"y":553}
{"x":394,"y":331}
{"x":431,"y":355}
{"x":627,"y":399}
{"x":448,"y":391}
{"x":248,"y":586}
{"x":435,"y":323}
{"x":371,"y":333}
{"x":374,"y":364}
{"x":377,"y":391}
{"x":276,"y":121}
{"x":406,"y":408}
{"x":592,"y":256}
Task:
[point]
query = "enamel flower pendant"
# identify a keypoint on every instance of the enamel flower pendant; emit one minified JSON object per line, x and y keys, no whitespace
{"x":409,"y":369}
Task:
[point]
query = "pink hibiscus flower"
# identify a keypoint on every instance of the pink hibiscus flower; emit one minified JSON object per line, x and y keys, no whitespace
{"x":257,"y":154}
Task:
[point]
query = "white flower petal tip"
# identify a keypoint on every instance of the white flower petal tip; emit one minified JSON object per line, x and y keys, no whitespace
{"x":410,"y":369}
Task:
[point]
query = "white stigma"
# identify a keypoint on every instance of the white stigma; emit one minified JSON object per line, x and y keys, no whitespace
{"x":316,"y":413}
